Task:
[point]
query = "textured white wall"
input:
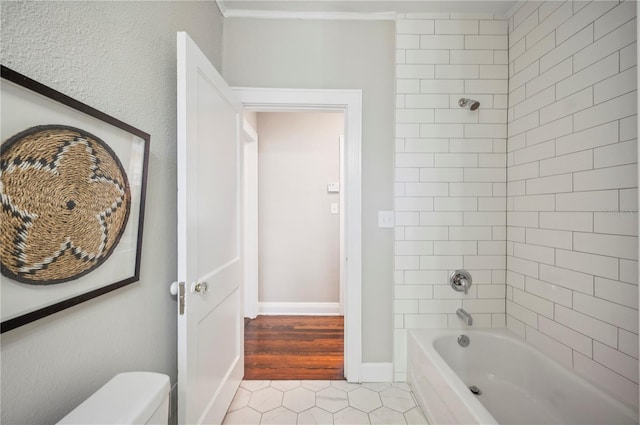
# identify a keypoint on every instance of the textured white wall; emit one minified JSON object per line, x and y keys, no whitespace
{"x":572,"y":253}
{"x":118,"y":57}
{"x":450,"y":193}
{"x":298,"y":154}
{"x":336,"y":55}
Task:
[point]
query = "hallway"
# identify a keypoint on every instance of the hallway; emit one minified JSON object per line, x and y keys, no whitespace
{"x":294,"y":347}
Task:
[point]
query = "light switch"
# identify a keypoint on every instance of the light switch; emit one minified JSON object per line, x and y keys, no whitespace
{"x":333,"y":187}
{"x":386,"y":219}
{"x":334,"y":208}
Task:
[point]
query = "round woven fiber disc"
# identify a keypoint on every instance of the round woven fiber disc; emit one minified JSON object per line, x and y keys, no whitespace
{"x":65,"y":204}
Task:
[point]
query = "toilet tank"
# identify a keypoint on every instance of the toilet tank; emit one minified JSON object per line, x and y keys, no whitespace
{"x":128,"y":398}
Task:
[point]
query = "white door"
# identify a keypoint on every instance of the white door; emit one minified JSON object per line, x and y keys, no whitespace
{"x":210,"y":319}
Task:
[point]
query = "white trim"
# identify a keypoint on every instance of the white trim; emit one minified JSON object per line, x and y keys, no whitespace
{"x":342,"y":262}
{"x":304,"y":309}
{"x":250,"y":193}
{"x":250,"y":132}
{"x":331,"y":16}
{"x":222,"y":7}
{"x":350,"y":102}
{"x":377,"y":372}
{"x":638,"y":200}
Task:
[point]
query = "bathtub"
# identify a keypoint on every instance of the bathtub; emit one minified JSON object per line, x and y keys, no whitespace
{"x":518,"y":384}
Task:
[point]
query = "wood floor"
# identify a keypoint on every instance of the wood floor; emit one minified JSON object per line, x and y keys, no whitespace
{"x":294,"y":347}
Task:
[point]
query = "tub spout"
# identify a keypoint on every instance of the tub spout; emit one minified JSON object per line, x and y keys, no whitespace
{"x":465,"y":316}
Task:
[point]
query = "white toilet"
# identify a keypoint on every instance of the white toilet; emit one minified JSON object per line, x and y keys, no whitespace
{"x":129,"y":398}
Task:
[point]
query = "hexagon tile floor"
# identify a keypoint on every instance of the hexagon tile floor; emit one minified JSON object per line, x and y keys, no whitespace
{"x":323,"y":402}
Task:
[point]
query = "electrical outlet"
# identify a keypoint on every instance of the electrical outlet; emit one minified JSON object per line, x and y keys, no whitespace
{"x":386,"y":219}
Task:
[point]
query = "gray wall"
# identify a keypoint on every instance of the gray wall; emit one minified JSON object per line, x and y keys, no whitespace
{"x":118,"y":57}
{"x":337,"y":55}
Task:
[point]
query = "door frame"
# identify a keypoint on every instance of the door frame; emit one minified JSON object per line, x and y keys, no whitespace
{"x":250,"y":220}
{"x":350,"y":103}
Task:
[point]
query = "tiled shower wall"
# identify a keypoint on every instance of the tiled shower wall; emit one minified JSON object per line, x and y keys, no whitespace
{"x":572,"y":282}
{"x":450,"y":172}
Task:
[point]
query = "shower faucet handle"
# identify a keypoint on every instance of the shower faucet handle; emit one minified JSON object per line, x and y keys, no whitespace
{"x":460,"y":280}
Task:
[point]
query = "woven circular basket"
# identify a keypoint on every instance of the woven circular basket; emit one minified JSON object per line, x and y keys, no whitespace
{"x":65,"y":204}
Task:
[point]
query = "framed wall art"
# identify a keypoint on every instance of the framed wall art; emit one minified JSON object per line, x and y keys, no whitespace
{"x":72,"y":188}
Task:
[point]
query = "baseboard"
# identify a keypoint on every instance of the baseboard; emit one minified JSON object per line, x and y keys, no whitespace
{"x":377,"y":372}
{"x":305,"y":309}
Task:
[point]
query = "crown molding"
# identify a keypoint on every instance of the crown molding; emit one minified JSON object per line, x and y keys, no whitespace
{"x":222,"y":7}
{"x":334,"y":16}
{"x":513,"y":9}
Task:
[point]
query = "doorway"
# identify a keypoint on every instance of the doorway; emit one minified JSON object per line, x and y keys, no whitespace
{"x":350,"y":103}
{"x":298,"y":332}
{"x":299,"y":226}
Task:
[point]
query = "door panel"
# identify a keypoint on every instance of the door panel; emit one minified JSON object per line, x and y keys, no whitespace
{"x":216,"y":162}
{"x":210,"y":331}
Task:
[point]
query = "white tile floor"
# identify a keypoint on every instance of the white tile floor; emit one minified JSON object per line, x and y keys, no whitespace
{"x":323,"y":402}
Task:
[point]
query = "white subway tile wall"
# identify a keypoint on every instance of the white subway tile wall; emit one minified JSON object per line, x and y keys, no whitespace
{"x":559,"y":80}
{"x":450,"y":198}
{"x":572,"y":219}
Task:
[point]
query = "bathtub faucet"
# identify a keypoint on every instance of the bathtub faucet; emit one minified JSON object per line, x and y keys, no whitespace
{"x":465,"y":316}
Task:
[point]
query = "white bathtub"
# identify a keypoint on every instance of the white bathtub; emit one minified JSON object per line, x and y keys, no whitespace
{"x":519,"y":384}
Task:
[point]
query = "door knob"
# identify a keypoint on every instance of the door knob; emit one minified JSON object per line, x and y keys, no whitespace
{"x":200,"y":287}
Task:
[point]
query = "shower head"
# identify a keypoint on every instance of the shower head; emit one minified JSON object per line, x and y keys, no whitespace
{"x":469,"y":103}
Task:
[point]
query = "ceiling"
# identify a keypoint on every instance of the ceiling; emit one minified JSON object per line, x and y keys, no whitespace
{"x":233,"y":7}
